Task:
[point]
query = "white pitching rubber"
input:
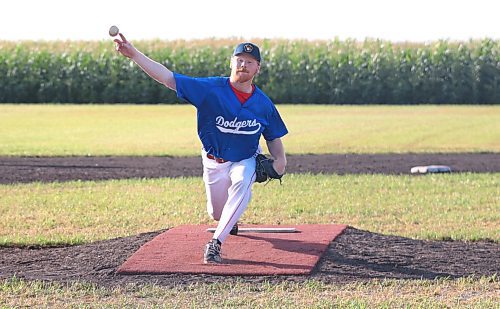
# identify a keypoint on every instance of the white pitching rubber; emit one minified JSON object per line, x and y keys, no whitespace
{"x":261,"y":230}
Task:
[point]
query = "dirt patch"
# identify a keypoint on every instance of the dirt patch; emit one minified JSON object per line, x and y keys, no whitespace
{"x":355,"y":255}
{"x":29,"y":169}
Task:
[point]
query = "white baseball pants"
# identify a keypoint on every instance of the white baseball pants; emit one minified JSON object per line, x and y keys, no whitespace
{"x":229,"y":189}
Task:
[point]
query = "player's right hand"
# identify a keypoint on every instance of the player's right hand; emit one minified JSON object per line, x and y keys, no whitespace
{"x":124,"y":47}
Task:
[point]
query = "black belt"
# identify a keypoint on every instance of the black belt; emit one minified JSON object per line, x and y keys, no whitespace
{"x":218,"y":160}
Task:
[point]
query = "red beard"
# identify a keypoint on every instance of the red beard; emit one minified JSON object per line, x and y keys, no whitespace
{"x":241,"y":78}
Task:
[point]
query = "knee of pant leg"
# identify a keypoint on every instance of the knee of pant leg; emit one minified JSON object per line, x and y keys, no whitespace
{"x":213,"y":214}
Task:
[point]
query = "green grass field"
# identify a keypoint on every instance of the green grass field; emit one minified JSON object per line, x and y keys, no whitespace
{"x":457,"y":206}
{"x":443,"y":293}
{"x":462,"y":206}
{"x":55,"y":130}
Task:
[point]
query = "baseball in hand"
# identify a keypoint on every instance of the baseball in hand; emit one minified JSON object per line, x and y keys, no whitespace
{"x":113,"y":30}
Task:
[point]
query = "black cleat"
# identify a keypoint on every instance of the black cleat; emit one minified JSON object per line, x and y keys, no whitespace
{"x":234,"y":230}
{"x":212,"y":252}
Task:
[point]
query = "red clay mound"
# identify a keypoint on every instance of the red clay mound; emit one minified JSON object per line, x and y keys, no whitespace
{"x":180,"y":250}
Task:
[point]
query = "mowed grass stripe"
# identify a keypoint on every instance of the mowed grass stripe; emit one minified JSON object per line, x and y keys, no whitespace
{"x":456,"y":206}
{"x":442,"y":293}
{"x":61,"y":130}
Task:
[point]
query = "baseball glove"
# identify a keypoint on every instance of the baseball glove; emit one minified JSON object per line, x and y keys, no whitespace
{"x":264,"y":169}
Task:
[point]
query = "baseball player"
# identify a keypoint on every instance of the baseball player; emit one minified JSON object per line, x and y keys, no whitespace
{"x":232,"y":115}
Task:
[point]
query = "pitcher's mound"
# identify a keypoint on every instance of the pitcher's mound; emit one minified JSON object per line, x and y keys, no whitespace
{"x":180,"y":250}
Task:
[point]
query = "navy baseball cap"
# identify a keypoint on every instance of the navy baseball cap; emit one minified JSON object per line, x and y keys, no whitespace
{"x":247,"y":48}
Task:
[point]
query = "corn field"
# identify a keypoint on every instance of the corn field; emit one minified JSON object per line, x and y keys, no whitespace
{"x":318,"y":72}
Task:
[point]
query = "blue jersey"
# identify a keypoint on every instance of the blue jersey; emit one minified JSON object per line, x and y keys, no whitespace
{"x":228,"y":129}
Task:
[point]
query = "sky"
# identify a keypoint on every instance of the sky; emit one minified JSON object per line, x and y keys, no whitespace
{"x":404,"y":20}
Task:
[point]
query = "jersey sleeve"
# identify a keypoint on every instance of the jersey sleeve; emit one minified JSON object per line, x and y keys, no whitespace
{"x":276,"y":127}
{"x":191,"y":89}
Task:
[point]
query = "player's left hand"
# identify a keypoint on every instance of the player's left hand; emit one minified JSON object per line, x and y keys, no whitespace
{"x":264,"y":169}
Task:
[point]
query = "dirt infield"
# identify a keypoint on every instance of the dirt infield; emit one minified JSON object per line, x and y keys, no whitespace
{"x":356,"y":255}
{"x":29,"y":169}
